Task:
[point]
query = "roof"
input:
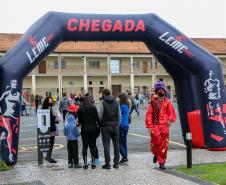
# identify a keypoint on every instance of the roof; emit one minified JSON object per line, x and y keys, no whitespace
{"x":214,"y":45}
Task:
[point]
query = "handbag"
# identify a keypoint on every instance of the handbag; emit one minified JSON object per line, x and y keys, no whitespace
{"x":58,"y":117}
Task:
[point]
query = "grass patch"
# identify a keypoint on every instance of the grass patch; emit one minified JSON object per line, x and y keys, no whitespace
{"x":211,"y":172}
{"x":3,"y":166}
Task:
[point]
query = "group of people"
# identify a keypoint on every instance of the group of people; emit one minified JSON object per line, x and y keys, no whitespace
{"x":112,"y":121}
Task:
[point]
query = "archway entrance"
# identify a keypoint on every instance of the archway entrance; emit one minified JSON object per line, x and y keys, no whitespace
{"x":196,"y":73}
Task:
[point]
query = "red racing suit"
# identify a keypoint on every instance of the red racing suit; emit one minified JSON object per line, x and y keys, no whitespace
{"x":157,"y":115}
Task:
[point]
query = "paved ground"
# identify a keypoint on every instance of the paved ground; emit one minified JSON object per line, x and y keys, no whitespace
{"x":139,"y":171}
{"x":138,"y":138}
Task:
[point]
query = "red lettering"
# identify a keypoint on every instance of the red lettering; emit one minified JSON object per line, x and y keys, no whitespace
{"x":117,"y":26}
{"x":140,"y":26}
{"x":84,"y":24}
{"x":71,"y":27}
{"x":106,"y":25}
{"x":95,"y":25}
{"x":129,"y":25}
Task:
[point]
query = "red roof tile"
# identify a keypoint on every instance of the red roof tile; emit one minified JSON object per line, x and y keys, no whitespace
{"x":215,"y":46}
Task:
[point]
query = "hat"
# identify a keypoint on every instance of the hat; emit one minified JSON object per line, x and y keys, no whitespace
{"x":54,"y":98}
{"x":72,"y":108}
{"x":160,"y":85}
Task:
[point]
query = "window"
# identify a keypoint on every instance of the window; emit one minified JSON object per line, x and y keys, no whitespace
{"x":101,"y":83}
{"x":94,"y":64}
{"x":136,"y":64}
{"x":115,"y":66}
{"x":71,"y":83}
{"x":90,"y":82}
{"x":63,"y":64}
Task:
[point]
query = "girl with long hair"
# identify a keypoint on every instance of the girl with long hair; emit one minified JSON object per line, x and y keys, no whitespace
{"x":123,"y":127}
{"x":89,"y":120}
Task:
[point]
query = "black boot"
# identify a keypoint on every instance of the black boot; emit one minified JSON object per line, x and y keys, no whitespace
{"x":154,"y":159}
{"x":85,"y":162}
{"x":162,"y":166}
{"x":106,"y":166}
{"x":93,"y":166}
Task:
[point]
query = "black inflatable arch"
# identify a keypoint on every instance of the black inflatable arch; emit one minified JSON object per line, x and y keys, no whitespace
{"x":196,"y":73}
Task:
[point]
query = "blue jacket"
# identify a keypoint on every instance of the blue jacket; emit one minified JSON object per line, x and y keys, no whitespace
{"x":70,"y":129}
{"x":124,"y":115}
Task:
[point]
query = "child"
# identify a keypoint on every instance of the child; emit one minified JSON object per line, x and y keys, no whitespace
{"x":72,"y":133}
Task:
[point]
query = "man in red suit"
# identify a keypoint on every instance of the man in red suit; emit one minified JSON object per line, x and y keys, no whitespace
{"x":159,"y":117}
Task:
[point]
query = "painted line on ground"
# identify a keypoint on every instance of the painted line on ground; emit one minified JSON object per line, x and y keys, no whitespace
{"x":138,"y":135}
{"x":32,"y":138}
{"x":148,"y":137}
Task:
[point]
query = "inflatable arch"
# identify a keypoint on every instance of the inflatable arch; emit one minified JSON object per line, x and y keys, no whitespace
{"x":197,"y":74}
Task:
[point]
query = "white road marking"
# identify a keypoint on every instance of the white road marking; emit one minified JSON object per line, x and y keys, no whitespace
{"x":138,"y":135}
{"x":148,"y":137}
{"x":32,"y":138}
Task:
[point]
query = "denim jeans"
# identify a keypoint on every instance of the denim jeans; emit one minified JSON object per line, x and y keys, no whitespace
{"x":123,"y":132}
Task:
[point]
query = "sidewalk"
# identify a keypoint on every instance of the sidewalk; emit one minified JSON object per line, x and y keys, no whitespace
{"x":139,"y":171}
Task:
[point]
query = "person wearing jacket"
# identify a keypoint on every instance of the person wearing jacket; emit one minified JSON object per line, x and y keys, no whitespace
{"x":89,"y":120}
{"x":64,"y":103}
{"x":48,"y":104}
{"x":72,"y":133}
{"x":159,"y":117}
{"x":123,"y":127}
{"x":110,"y":116}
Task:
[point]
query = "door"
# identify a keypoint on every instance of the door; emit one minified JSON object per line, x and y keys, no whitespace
{"x":116,"y":89}
{"x":145,"y":66}
{"x":42,"y":67}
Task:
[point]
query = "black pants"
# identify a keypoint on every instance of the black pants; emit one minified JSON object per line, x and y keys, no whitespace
{"x":72,"y":148}
{"x":110,"y":133}
{"x":89,"y":137}
{"x":64,"y":114}
{"x":132,"y":108}
{"x":52,"y":139}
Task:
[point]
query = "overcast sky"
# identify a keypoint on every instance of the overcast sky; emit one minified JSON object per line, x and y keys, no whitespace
{"x":194,"y":18}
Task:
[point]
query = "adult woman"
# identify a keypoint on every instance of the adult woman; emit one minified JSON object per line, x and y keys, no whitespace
{"x":123,"y":127}
{"x":89,"y":120}
{"x":48,"y":104}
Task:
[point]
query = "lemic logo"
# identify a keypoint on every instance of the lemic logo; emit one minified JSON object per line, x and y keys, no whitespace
{"x":38,"y":47}
{"x":176,"y":43}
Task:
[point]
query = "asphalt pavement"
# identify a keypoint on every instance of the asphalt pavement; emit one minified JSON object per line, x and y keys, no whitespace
{"x":138,"y":138}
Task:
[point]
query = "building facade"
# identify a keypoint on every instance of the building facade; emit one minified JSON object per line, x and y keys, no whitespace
{"x":79,"y":67}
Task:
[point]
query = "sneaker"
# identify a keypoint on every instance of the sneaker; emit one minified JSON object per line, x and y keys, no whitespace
{"x":115,"y":166}
{"x":70,"y":165}
{"x":106,"y":166}
{"x":86,"y":166}
{"x":77,"y":166}
{"x":93,"y":166}
{"x":52,"y":161}
{"x":162,"y":166}
{"x":97,"y":162}
{"x":123,"y":160}
{"x":154,"y":159}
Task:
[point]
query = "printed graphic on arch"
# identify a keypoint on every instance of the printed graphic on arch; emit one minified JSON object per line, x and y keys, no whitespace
{"x":38,"y":46}
{"x":105,"y":25}
{"x":176,"y":43}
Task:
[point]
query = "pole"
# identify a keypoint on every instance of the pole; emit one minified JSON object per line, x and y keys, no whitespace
{"x":189,"y":150}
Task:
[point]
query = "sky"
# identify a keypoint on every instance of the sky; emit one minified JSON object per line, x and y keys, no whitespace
{"x":194,"y":18}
